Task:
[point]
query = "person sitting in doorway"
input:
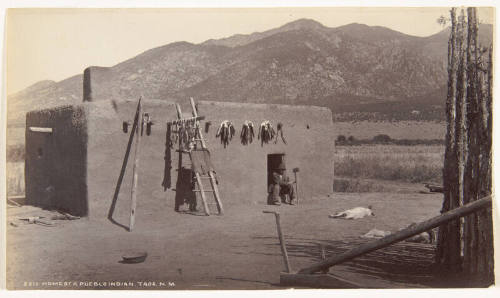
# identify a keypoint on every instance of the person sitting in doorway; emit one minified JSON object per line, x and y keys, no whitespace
{"x":281,"y":189}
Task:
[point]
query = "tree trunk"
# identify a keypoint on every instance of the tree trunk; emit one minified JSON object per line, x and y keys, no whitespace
{"x":449,"y":171}
{"x":457,"y":199}
{"x":472,"y":163}
{"x":466,"y":247}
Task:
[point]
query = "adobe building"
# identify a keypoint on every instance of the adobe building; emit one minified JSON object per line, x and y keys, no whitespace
{"x":75,"y":164}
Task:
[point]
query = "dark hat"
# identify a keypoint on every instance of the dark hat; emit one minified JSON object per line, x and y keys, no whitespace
{"x":281,"y":166}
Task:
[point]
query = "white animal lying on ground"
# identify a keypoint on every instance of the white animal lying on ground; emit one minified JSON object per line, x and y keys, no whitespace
{"x":375,"y":233}
{"x":424,"y":237}
{"x":354,"y":213}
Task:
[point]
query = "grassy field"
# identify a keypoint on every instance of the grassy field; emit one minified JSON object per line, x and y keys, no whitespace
{"x":423,"y":130}
{"x":414,"y":164}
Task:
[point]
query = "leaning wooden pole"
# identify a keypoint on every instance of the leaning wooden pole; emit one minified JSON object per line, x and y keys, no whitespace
{"x":124,"y":164}
{"x":282,"y":240}
{"x":400,"y":235}
{"x":135,"y":174}
{"x":296,"y":188}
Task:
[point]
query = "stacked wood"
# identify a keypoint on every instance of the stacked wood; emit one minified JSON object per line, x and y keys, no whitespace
{"x":465,"y":246}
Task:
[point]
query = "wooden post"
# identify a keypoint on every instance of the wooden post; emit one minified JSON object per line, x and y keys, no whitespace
{"x":296,"y":187}
{"x":41,"y":129}
{"x":282,"y":240}
{"x":400,"y":235}
{"x":449,"y":171}
{"x":470,"y":232}
{"x":323,"y":257}
{"x":465,"y":246}
{"x":124,"y":165}
{"x":179,"y":160}
{"x":136,"y":166}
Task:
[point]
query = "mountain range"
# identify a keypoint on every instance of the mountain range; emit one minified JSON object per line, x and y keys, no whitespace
{"x":361,"y":72}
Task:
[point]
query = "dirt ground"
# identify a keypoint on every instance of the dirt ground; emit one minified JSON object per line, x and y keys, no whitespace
{"x":239,"y":250}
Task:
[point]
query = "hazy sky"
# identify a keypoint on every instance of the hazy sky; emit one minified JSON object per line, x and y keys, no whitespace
{"x":53,"y":44}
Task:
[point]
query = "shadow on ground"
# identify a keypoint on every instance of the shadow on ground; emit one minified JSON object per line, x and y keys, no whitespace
{"x":400,"y":264}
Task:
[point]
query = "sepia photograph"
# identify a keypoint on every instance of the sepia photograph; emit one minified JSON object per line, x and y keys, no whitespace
{"x":249,"y":148}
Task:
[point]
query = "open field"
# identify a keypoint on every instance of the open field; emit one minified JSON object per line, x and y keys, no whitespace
{"x":423,"y":130}
{"x":414,"y":164}
{"x":239,"y":250}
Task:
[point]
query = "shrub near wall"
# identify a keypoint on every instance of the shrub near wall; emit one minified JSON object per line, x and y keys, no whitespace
{"x":15,"y":178}
{"x":15,"y":153}
{"x":15,"y":170}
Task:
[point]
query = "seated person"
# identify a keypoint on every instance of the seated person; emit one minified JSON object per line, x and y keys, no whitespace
{"x":281,"y":187}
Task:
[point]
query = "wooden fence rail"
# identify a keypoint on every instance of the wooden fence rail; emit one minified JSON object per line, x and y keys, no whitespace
{"x":400,"y":235}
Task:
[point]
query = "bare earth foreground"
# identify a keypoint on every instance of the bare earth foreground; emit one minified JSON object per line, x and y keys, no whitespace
{"x":239,"y":250}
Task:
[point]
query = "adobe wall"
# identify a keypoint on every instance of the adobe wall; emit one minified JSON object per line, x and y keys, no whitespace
{"x":96,"y":83}
{"x":242,"y":170}
{"x":56,"y":163}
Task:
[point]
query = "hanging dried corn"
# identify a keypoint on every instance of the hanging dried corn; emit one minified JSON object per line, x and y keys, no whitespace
{"x":167,"y":178}
{"x":279,"y":131}
{"x":247,"y":133}
{"x":226,"y":132}
{"x":174,"y":135}
{"x":186,"y":133}
{"x":266,"y":132}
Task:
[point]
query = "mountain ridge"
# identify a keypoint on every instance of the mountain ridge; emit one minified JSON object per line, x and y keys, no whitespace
{"x":301,"y":62}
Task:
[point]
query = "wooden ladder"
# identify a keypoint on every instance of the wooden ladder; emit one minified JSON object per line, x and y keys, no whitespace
{"x":201,"y":189}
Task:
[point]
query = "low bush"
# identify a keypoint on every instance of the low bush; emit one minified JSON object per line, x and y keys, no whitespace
{"x":15,"y":153}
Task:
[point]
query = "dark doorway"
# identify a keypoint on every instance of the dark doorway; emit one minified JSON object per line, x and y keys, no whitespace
{"x":273,"y":161}
{"x":184,"y":193}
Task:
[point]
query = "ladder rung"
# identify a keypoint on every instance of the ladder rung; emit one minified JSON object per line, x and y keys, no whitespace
{"x":197,"y":190}
{"x":183,"y":151}
{"x":206,"y":177}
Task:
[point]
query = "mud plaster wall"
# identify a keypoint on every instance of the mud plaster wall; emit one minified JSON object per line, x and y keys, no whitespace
{"x":242,"y":170}
{"x":56,"y":163}
{"x":96,"y":83}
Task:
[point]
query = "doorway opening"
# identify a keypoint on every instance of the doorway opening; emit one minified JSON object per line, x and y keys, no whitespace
{"x":273,"y":161}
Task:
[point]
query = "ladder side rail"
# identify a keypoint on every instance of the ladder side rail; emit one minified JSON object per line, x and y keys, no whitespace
{"x":197,"y":124}
{"x":211,"y":174}
{"x":202,"y":192}
{"x":220,"y":208}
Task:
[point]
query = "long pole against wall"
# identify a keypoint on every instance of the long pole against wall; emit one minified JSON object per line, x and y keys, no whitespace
{"x":135,"y":174}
